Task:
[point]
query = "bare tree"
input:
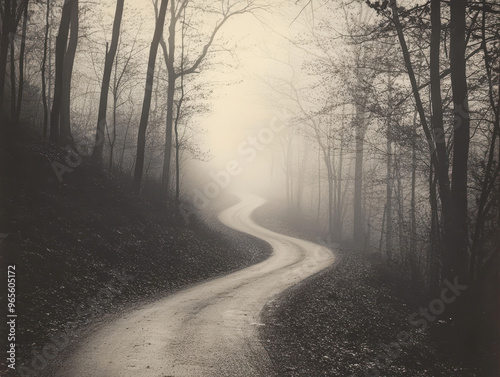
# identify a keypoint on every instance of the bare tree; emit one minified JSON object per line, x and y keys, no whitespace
{"x":43,"y":72}
{"x":141,"y":138}
{"x":61,"y":42}
{"x":458,"y":236}
{"x":106,"y":78}
{"x":22,"y":51}
{"x":11,"y":12}
{"x":225,"y":12}
{"x":66,"y":136}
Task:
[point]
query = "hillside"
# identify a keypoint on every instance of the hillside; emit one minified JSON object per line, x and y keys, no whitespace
{"x":86,"y":246}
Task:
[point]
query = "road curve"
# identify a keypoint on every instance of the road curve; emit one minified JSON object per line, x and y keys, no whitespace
{"x":209,"y":329}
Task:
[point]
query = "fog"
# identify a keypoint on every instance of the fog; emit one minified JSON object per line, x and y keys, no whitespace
{"x":276,"y":81}
{"x":240,"y":147}
{"x":310,"y":104}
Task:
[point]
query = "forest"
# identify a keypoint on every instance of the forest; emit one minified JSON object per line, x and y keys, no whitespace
{"x":375,"y":123}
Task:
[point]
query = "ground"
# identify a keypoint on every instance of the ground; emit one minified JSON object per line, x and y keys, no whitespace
{"x":346,"y":321}
{"x":86,"y":247}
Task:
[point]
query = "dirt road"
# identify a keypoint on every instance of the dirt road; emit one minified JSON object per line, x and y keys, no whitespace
{"x":209,"y":329}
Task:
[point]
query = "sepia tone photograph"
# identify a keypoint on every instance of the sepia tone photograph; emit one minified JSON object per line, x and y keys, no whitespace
{"x":250,"y":188}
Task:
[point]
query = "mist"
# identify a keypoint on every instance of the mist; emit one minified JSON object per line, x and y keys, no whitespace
{"x":293,"y":185}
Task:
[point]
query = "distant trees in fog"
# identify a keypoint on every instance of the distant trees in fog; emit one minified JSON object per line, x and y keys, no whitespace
{"x":403,"y":110}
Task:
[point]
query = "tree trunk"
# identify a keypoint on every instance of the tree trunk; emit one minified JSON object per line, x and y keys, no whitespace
{"x":177,"y":165}
{"x":459,"y":233}
{"x":21,"y":66}
{"x":44,"y":62}
{"x":172,"y":77}
{"x":437,"y":105}
{"x":124,"y":142}
{"x":388,"y":206}
{"x":12,"y":81}
{"x":113,"y":139}
{"x":141,"y":137}
{"x":7,"y":29}
{"x":382,"y":230}
{"x":413,"y":206}
{"x":435,"y":255}
{"x":337,"y":215}
{"x":177,"y":146}
{"x":358,"y":236}
{"x":165,"y":178}
{"x":50,"y":99}
{"x":66,"y":137}
{"x":329,"y":169}
{"x":61,"y":42}
{"x":403,"y":245}
{"x":106,"y":78}
{"x":437,"y":127}
{"x":389,"y":176}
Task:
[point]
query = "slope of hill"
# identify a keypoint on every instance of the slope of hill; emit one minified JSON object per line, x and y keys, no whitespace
{"x":86,"y":247}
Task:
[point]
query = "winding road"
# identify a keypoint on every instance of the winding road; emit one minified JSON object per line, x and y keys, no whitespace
{"x":209,"y":329}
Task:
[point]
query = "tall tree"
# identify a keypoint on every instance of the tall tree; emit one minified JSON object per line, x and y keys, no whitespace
{"x":61,"y":42}
{"x":146,"y":105}
{"x":106,"y":78}
{"x":459,"y":235}
{"x":441,"y":153}
{"x":65,"y":136}
{"x":21,"y":66}
{"x":360,"y":88}
{"x":360,"y":127}
{"x":43,"y":69}
{"x":176,"y":9}
{"x":389,"y":176}
{"x":13,"y":77}
{"x":177,"y":116}
{"x":11,"y":12}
